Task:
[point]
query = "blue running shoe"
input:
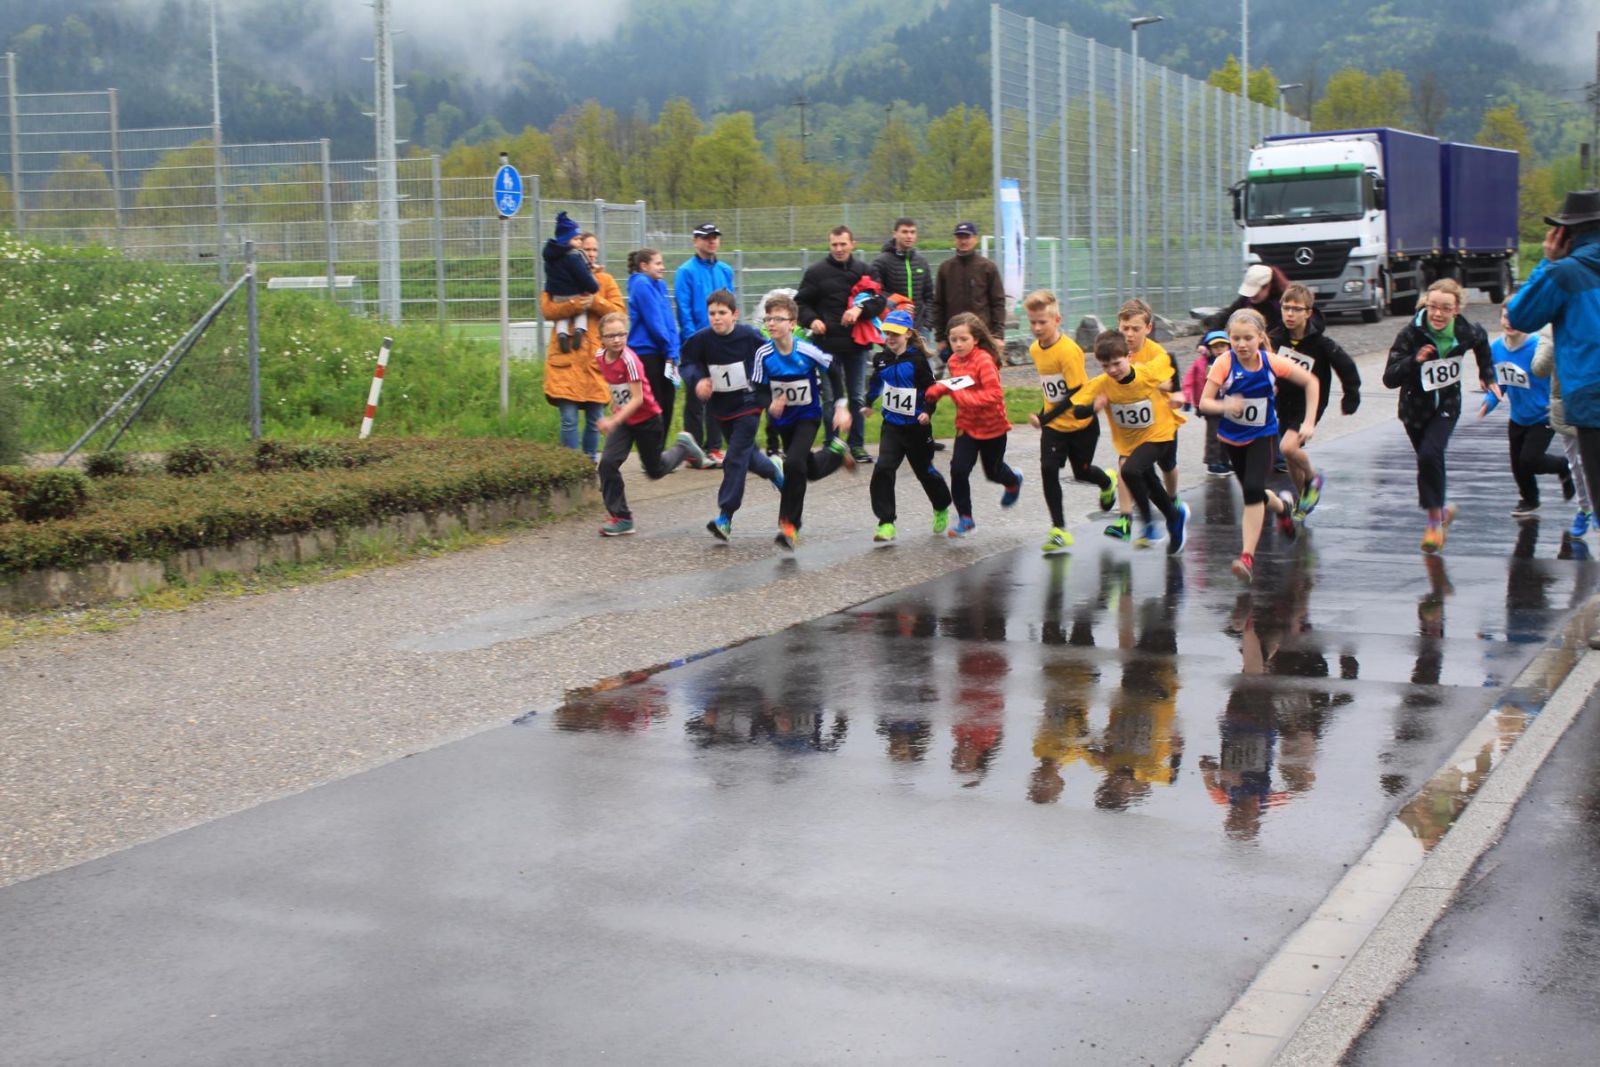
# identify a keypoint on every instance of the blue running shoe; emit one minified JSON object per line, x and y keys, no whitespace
{"x":1175,"y":530}
{"x":1580,"y":523}
{"x":721,"y":527}
{"x":1009,"y":497}
{"x":777,"y":478}
{"x":962,"y":527}
{"x":1149,"y":536}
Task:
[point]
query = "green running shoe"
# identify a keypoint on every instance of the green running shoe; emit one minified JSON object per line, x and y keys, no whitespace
{"x":941,"y":520}
{"x":1120,"y":528}
{"x":885,"y":532}
{"x":1058,"y":540}
{"x":1108,"y":495}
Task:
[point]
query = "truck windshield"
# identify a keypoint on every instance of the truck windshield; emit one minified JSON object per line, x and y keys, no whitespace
{"x":1285,"y":200}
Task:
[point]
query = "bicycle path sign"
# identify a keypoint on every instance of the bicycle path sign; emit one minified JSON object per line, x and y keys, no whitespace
{"x":507,"y":191}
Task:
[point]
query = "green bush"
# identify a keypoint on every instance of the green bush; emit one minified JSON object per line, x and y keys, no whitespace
{"x":188,"y":460}
{"x":8,"y":509}
{"x":109,"y":465}
{"x":43,"y":495}
{"x":153,"y":515}
{"x":10,"y":425}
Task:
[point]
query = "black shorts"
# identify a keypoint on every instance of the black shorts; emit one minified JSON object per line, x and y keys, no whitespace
{"x":1291,"y":414}
{"x":1169,"y":454}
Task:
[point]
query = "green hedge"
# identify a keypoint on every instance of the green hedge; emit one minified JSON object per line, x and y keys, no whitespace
{"x":153,"y":515}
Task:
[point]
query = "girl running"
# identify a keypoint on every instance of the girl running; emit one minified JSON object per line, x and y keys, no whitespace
{"x":981,"y":421}
{"x":1241,"y":388}
{"x":901,"y":376}
{"x":1427,"y":363}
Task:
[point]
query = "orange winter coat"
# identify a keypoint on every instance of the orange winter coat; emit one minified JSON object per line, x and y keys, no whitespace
{"x":576,"y":375}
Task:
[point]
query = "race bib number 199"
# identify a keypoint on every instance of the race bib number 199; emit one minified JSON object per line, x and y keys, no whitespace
{"x":1055,"y":388}
{"x":1441,"y":373}
{"x":1511,"y":376}
{"x":1133,"y":416}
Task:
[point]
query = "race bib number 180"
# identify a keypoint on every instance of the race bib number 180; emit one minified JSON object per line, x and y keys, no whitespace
{"x":1133,"y":416}
{"x":1441,"y":373}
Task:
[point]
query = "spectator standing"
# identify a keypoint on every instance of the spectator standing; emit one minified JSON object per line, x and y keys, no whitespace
{"x":692,"y":283}
{"x":900,"y":268}
{"x":971,"y":283}
{"x":653,"y":333}
{"x":573,"y":383}
{"x":828,"y":315}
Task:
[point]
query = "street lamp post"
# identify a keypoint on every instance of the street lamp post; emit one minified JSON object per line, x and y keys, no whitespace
{"x":1284,"y":88}
{"x":1135,"y":142}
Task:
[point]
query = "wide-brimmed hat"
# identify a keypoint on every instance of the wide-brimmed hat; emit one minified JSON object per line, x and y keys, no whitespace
{"x":1582,"y":205}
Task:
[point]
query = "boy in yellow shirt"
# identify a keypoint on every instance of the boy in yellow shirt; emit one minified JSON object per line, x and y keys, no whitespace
{"x":1067,"y":438}
{"x":1138,"y":404}
{"x":1134,"y":321}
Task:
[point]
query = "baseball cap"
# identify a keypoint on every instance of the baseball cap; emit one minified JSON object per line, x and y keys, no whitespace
{"x":898,"y":321}
{"x":1258,"y":275}
{"x":1217,"y":337}
{"x":707,"y":229}
{"x":966,"y":229}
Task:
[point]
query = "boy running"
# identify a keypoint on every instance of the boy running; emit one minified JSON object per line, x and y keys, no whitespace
{"x":792,"y":369}
{"x":718,"y":363}
{"x":901,"y":376}
{"x":1302,"y":341}
{"x":1528,"y":430}
{"x":1134,"y":321}
{"x":635,"y":419}
{"x":1067,"y":439}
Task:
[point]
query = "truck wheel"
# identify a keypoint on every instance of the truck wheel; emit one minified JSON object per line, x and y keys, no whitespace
{"x":1497,"y":291}
{"x":1380,"y":302}
{"x":1403,"y":305}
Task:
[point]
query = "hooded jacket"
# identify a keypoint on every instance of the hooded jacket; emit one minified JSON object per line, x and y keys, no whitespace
{"x":908,"y":274}
{"x":1327,"y":358}
{"x":1565,"y":294}
{"x":970,"y":283}
{"x":693,"y":281}
{"x":1403,"y":372}
{"x":576,"y":375}
{"x":824,"y":294}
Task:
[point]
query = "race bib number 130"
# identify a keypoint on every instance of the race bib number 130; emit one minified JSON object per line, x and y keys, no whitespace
{"x":1133,"y":416}
{"x":1441,"y":373}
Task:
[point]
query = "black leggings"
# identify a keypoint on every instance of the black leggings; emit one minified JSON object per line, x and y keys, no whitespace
{"x":1430,"y":440}
{"x":966,"y":454}
{"x":800,"y":465}
{"x":914,"y":444}
{"x":1144,"y":484}
{"x":1251,"y":463}
{"x":661,"y":387}
{"x":1058,"y":448}
{"x":1529,"y":458}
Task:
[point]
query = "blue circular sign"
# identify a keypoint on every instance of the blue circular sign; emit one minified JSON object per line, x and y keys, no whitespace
{"x":507,"y":191}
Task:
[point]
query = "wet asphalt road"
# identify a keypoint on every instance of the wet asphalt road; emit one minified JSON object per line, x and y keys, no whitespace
{"x":1037,"y":811}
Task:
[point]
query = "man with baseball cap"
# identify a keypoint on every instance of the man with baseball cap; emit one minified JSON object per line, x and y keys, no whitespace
{"x":695,"y":280}
{"x":969,"y":282}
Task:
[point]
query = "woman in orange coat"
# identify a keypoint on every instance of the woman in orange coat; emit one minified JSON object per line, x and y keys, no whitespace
{"x":572,"y":381}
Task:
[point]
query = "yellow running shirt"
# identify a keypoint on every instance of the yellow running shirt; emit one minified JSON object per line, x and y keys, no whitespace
{"x":1138,"y":411}
{"x":1061,"y":373}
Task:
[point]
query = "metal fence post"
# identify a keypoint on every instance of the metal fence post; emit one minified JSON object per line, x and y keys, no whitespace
{"x":116,"y":165}
{"x":1094,"y":186}
{"x":641,"y":212}
{"x":1122,"y":197}
{"x":996,"y":113}
{"x":1166,"y":187}
{"x":1183,"y":185}
{"x":438,"y":237}
{"x":1065,"y":286}
{"x":253,"y":319}
{"x":328,"y":245}
{"x":216,"y":182}
{"x":600,"y":229}
{"x":537,"y":203}
{"x":738,"y":274}
{"x":12,"y":119}
{"x":1033,"y":152}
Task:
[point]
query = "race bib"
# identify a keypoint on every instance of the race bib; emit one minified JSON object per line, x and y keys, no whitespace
{"x":1441,"y":373}
{"x":955,"y":385}
{"x":620,"y":394}
{"x":1511,"y":376}
{"x":1298,"y":358}
{"x":729,"y":378}
{"x":795,"y":393}
{"x":1136,"y":416}
{"x":671,"y":372}
{"x":1055,"y":389}
{"x":900,"y":400}
{"x":1256,"y":410}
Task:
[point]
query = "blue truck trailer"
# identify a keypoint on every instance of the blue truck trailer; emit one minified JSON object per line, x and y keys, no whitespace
{"x":1361,"y":216}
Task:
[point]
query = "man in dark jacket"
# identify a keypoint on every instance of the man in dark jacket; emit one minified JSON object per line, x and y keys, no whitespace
{"x":900,"y":268}
{"x":969,"y":282}
{"x":826,"y":311}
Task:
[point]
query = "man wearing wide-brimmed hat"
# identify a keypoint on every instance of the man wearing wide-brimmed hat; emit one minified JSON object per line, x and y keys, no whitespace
{"x":1564,"y":292}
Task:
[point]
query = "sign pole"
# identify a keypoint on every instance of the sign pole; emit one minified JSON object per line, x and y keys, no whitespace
{"x":507,"y":201}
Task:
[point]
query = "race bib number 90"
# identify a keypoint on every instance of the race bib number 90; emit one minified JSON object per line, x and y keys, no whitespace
{"x":1055,"y":388}
{"x":1299,"y":359}
{"x":795,"y":393}
{"x":729,"y":378}
{"x":1441,"y":373}
{"x":1137,"y":416}
{"x":900,"y":400}
{"x":620,"y":394}
{"x":1256,"y":410}
{"x":1511,"y":376}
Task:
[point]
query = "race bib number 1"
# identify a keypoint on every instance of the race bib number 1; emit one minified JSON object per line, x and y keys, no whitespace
{"x":728,"y":378}
{"x":1133,"y":416}
{"x":1511,"y":376}
{"x":1055,"y":388}
{"x":1299,"y":359}
{"x":1441,"y":373}
{"x":794,"y":393}
{"x":900,"y":400}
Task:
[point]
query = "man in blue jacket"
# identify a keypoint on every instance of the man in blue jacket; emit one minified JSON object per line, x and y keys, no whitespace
{"x":1564,"y":292}
{"x":692,"y":284}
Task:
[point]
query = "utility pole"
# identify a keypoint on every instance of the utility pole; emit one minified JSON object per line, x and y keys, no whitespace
{"x":216,"y":149}
{"x":802,"y":103}
{"x":388,"y":186}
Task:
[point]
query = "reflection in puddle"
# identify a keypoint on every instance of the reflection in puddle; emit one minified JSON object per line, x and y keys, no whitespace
{"x":1436,"y":807}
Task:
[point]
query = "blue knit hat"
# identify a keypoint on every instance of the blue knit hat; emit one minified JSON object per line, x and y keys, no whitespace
{"x":566,"y":229}
{"x":898,"y":321}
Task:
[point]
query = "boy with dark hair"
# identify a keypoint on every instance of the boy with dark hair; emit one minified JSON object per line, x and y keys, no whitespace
{"x":1135,"y":319}
{"x":1301,"y":341}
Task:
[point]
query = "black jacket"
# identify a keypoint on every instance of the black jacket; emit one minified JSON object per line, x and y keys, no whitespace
{"x":910,"y":276}
{"x":824,"y":294}
{"x":970,"y":283}
{"x":1404,"y":373}
{"x":1327,"y":358}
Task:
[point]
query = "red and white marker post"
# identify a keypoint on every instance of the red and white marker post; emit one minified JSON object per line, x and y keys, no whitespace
{"x":377,"y":388}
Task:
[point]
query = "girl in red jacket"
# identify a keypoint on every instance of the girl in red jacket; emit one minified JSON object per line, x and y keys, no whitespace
{"x":981,"y":422}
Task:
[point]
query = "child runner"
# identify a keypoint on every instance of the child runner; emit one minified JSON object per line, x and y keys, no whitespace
{"x":1134,"y":321}
{"x":1528,"y":430}
{"x":981,"y":421}
{"x":1067,"y":439}
{"x":1240,"y":389}
{"x":1544,"y":366}
{"x":792,"y":370}
{"x":566,"y":275}
{"x":901,"y":376}
{"x":1426,"y":363}
{"x":635,"y":419}
{"x":718,"y":364}
{"x":1214,"y":345}
{"x":1138,"y":403}
{"x":1302,"y":341}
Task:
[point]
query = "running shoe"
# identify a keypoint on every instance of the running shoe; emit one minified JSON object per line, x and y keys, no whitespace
{"x":941,"y":520}
{"x":1058,"y":540}
{"x":1108,"y":495}
{"x":777,"y":477}
{"x":1433,"y":537}
{"x":1312,"y":496}
{"x":1175,"y":530}
{"x":616,"y":527}
{"x":1569,"y":488}
{"x":1218,"y":470}
{"x":1244,"y":568}
{"x":1580,"y":523}
{"x":964,"y":525}
{"x":1147,"y":536}
{"x":1525,"y":509}
{"x":837,"y":446}
{"x":1281,"y":466}
{"x":721,"y":527}
{"x":861,"y":456}
{"x":788,"y":537}
{"x":1286,"y":517}
{"x":938,"y":446}
{"x":692,"y":450}
{"x":776,"y":453}
{"x":1009,"y":497}
{"x":714,"y":458}
{"x":885,"y":532}
{"x":1120,"y":528}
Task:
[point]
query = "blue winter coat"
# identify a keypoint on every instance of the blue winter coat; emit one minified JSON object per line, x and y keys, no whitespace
{"x":692,"y":282}
{"x":1566,"y":295}
{"x":652,"y":329}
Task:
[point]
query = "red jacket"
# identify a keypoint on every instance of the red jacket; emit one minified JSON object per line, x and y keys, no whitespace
{"x":981,"y":406}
